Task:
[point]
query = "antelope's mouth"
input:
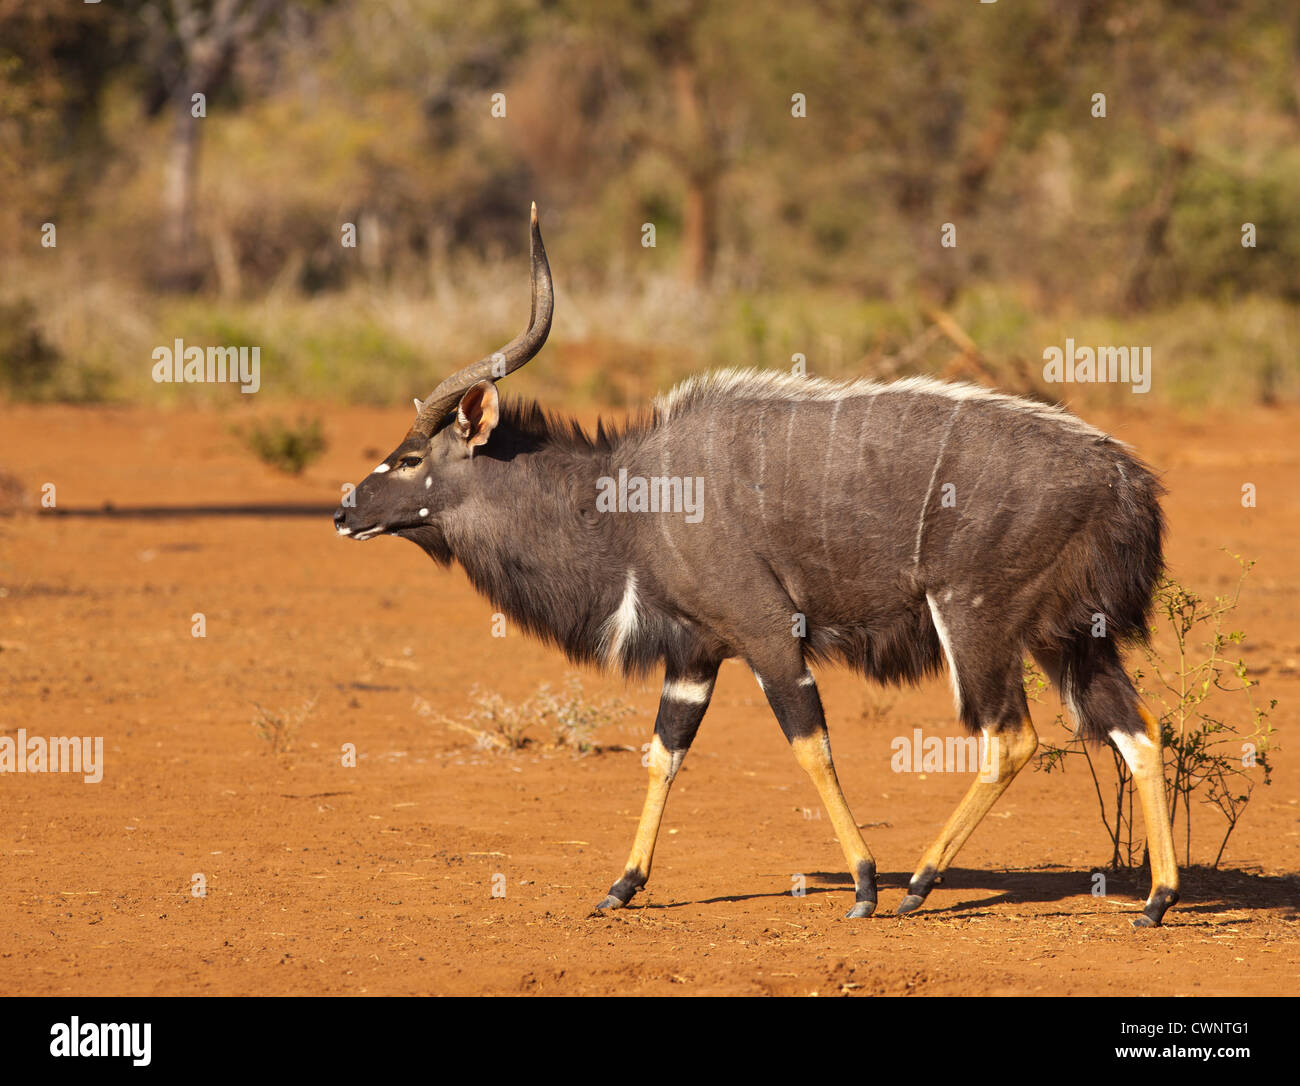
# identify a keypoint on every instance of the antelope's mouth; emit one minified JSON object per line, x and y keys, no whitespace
{"x":361,"y":536}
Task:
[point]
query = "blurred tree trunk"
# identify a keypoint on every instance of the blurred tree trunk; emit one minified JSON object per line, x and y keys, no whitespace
{"x":225,"y":258}
{"x":700,"y":230}
{"x":978,"y":164}
{"x":180,"y":266}
{"x":669,"y":63}
{"x":194,"y":45}
{"x":702,"y":167}
{"x":1140,"y":292}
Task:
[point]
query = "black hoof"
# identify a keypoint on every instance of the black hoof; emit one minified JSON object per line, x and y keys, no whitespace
{"x":917,"y":890}
{"x":909,"y":904}
{"x":1156,"y":907}
{"x":860,"y":910}
{"x":621,"y":892}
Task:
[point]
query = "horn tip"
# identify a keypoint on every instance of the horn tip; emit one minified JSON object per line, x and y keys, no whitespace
{"x":533,"y":216}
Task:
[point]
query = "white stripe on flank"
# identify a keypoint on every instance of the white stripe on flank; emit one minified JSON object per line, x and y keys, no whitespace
{"x":622,"y":624}
{"x":688,"y":691}
{"x":946,"y":642}
{"x":929,"y":490}
{"x":665,"y":470}
{"x":785,"y":461}
{"x":831,"y":451}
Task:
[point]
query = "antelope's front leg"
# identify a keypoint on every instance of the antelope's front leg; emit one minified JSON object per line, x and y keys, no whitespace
{"x":798,"y":708}
{"x":681,"y":708}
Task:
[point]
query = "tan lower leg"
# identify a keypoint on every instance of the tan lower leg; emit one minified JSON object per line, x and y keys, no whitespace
{"x":663,"y":768}
{"x":1004,"y":755}
{"x":813,"y":753}
{"x":1145,"y":757}
{"x":814,"y":756}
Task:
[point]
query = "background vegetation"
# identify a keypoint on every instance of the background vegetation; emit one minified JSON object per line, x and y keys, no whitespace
{"x":776,"y":234}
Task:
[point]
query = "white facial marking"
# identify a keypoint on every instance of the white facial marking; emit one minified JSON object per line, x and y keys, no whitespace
{"x":688,"y":691}
{"x":424,"y":512}
{"x":622,"y":624}
{"x":344,"y":531}
{"x":808,"y":679}
{"x":380,"y":470}
{"x":946,"y":642}
{"x":428,"y":482}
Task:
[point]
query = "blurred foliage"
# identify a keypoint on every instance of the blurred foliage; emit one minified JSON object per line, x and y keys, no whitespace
{"x":27,"y":361}
{"x":289,"y":448}
{"x":776,"y":234}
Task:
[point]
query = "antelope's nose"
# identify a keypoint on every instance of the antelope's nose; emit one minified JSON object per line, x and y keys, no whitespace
{"x":339,"y":518}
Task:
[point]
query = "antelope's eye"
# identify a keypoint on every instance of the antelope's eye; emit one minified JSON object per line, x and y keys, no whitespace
{"x":410,"y":462}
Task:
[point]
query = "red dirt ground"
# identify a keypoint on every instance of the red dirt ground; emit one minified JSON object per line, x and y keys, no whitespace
{"x":378,"y":879}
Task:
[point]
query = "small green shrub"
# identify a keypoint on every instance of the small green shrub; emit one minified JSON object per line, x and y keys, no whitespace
{"x":1214,"y":752}
{"x":288,"y":448}
{"x":570,"y":718}
{"x":27,"y":362}
{"x":280,"y":728}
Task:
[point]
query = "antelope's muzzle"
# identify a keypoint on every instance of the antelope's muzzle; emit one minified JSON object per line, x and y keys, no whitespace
{"x":348,"y":531}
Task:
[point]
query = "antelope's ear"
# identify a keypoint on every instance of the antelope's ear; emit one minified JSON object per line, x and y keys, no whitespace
{"x":477,"y":414}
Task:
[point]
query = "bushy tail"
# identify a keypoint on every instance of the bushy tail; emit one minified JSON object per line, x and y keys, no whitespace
{"x":1109,"y":606}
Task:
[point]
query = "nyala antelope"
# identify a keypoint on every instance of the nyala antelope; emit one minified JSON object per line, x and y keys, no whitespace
{"x":897,"y":528}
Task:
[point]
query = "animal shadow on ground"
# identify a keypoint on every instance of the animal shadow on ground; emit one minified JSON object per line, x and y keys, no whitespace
{"x":1206,"y":891}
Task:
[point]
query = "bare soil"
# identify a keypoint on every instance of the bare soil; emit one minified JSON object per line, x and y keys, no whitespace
{"x":379,"y":879}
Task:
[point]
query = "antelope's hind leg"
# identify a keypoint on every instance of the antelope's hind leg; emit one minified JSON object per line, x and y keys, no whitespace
{"x":1144,"y":753}
{"x":1003,"y":754}
{"x":1101,"y":698}
{"x":682,"y":706}
{"x":989,"y":692}
{"x":798,"y":709}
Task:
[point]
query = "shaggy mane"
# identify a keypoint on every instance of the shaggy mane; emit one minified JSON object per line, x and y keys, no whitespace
{"x":704,"y":391}
{"x":530,"y":420}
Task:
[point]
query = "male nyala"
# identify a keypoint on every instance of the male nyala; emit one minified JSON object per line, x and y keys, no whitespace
{"x":897,"y":527}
